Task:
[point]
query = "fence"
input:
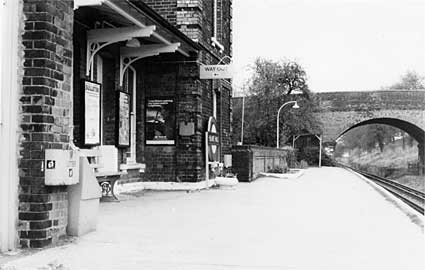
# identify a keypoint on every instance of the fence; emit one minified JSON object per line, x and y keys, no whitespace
{"x":249,"y":160}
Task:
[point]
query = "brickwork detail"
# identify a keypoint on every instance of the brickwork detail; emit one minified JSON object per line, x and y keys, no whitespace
{"x":195,"y":19}
{"x":166,"y":8}
{"x":166,"y":75}
{"x":339,"y":111}
{"x":46,"y":116}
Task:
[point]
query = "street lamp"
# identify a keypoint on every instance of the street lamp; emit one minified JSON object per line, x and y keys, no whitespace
{"x":277,"y":119}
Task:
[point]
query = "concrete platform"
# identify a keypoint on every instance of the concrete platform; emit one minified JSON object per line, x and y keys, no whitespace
{"x":327,"y":218}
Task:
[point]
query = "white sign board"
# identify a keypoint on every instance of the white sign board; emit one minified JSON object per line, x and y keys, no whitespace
{"x":61,"y":167}
{"x":215,"y":72}
{"x":92,"y":113}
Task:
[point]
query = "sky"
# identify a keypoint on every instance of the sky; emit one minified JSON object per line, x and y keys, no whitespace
{"x":344,"y":45}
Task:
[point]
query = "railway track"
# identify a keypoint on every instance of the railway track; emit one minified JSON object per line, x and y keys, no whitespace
{"x":414,"y":198}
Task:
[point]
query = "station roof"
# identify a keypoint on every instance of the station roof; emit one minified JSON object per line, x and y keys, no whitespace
{"x":120,"y":13}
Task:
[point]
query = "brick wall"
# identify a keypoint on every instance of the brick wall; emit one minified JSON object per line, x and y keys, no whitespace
{"x":371,"y":100}
{"x":166,"y":8}
{"x":339,"y":111}
{"x":165,"y":76}
{"x":156,"y":80}
{"x":189,"y":153}
{"x":195,"y":19}
{"x":226,"y":112}
{"x":46,"y":117}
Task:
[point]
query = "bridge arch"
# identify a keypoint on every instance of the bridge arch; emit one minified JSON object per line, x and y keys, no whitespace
{"x":340,"y":112}
{"x":413,"y":130}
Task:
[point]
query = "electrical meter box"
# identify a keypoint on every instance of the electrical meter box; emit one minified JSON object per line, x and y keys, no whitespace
{"x":61,"y":167}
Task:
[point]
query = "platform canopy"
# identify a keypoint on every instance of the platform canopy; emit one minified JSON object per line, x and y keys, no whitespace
{"x":132,"y":22}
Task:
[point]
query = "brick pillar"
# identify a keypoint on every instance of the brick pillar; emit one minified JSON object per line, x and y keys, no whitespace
{"x":189,"y":18}
{"x":190,"y":156}
{"x":46,"y":106}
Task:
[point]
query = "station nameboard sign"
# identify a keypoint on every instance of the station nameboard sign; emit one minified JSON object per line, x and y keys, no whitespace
{"x":213,"y":141}
{"x":215,"y":72}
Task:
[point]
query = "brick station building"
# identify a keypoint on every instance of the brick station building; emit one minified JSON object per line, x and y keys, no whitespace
{"x":117,"y":76}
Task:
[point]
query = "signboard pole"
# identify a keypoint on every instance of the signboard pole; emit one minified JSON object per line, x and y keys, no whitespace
{"x":207,"y":163}
{"x":320,"y":151}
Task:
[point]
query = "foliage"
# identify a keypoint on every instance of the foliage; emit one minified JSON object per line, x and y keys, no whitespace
{"x":278,"y":170}
{"x":368,"y":137}
{"x":271,"y":86}
{"x":275,"y":78}
{"x":409,"y":81}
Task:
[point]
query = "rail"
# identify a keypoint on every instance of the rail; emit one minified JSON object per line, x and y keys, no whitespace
{"x":414,"y":198}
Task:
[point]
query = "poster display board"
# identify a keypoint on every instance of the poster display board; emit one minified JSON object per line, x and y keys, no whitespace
{"x":160,"y":121}
{"x":91,"y":101}
{"x":123,"y":119}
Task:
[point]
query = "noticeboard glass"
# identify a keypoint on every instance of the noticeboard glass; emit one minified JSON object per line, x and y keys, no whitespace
{"x":160,"y":121}
{"x":91,"y":101}
{"x":123,"y":119}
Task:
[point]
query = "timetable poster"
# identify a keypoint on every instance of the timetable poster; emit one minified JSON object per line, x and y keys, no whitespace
{"x":91,"y":113}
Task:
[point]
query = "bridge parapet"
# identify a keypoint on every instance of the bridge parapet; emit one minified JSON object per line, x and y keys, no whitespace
{"x":339,"y":112}
{"x":371,"y":100}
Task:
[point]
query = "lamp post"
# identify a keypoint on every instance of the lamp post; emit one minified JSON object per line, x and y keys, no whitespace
{"x":277,"y":119}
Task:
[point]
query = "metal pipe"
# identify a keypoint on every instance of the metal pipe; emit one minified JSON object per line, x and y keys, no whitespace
{"x":243,"y":116}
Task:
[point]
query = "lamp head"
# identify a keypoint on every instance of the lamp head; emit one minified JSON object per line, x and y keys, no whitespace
{"x":296,"y":106}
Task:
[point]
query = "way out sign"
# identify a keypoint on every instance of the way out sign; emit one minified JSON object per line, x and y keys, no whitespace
{"x":215,"y":72}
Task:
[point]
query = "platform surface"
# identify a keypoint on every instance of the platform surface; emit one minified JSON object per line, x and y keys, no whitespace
{"x":328,"y":218}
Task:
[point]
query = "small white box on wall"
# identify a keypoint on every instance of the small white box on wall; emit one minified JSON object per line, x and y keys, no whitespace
{"x":227,"y":161}
{"x":61,"y":167}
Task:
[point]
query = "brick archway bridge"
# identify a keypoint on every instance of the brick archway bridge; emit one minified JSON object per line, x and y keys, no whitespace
{"x":340,"y":112}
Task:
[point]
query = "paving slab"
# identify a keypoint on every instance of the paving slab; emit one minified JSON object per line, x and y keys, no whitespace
{"x":328,"y":218}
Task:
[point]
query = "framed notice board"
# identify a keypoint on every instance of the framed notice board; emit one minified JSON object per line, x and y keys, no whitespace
{"x":91,"y":112}
{"x":123,"y":119}
{"x":160,"y":121}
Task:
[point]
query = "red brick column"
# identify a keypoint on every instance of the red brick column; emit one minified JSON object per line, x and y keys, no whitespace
{"x":46,"y":106}
{"x":190,"y":155}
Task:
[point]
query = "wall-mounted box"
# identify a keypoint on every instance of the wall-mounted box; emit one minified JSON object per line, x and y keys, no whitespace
{"x":61,"y":167}
{"x":187,"y":129}
{"x":227,"y":161}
